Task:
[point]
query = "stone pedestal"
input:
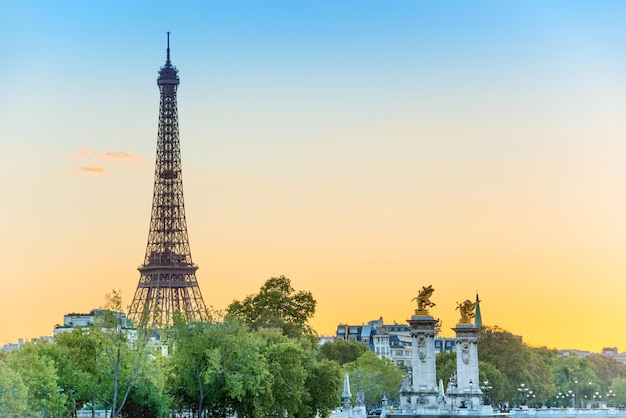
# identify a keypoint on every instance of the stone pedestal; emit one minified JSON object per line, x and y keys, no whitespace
{"x":421,"y":390}
{"x":467,"y":386}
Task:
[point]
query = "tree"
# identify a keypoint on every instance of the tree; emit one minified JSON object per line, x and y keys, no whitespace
{"x":321,"y":388}
{"x":120,"y":352}
{"x":342,"y":351}
{"x":81,"y":376}
{"x":605,"y":369}
{"x":518,"y":364}
{"x":148,"y":398}
{"x":445,"y":363}
{"x":376,"y":377}
{"x":220,"y":367}
{"x":495,"y":379}
{"x":618,"y":386}
{"x":39,"y":377}
{"x":288,"y":360}
{"x":573,"y":374}
{"x":277,"y":305}
{"x":192,"y":357}
{"x":13,"y":392}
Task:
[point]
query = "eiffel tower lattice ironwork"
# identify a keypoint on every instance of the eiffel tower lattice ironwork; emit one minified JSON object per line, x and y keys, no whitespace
{"x":167,"y":284}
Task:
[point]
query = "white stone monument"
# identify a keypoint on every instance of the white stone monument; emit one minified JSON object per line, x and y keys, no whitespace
{"x":466,"y":390}
{"x":420,"y":388}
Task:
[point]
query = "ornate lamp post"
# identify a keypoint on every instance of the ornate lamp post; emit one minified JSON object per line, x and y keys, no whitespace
{"x":523,"y":390}
{"x":559,"y":399}
{"x":486,"y":387}
{"x":596,"y":400}
{"x":47,"y":396}
{"x":572,"y":397}
{"x":609,"y":397}
{"x":577,"y":399}
{"x":60,"y":390}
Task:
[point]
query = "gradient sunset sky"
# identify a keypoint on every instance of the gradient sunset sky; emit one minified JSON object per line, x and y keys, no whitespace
{"x":363,"y":149}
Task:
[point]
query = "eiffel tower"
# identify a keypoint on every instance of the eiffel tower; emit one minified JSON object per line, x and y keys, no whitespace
{"x":167,"y":284}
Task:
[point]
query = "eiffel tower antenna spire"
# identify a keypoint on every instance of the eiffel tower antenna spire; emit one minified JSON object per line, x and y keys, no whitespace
{"x":168,"y":62}
{"x":167,"y":283}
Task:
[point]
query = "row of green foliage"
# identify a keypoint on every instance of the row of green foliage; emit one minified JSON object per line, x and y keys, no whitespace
{"x":259,"y":359}
{"x":507,"y":363}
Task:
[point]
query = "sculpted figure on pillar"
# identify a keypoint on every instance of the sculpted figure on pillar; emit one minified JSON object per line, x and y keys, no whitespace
{"x":467,"y":311}
{"x":423,"y":300}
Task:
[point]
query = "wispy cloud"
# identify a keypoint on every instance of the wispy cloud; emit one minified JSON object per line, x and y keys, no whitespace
{"x":110,"y":155}
{"x":94,"y":161}
{"x":84,"y":152}
{"x":91,"y":170}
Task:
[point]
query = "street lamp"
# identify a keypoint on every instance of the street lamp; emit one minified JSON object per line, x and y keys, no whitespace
{"x":560,"y":398}
{"x":576,"y":390}
{"x":596,"y":400}
{"x":60,"y":390}
{"x":47,"y":396}
{"x":486,"y":387}
{"x":73,"y":404}
{"x":610,"y":396}
{"x":523,"y":390}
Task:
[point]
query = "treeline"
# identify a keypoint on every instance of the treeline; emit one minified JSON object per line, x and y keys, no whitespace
{"x":257,"y":359}
{"x":519,"y":373}
{"x":260,"y":359}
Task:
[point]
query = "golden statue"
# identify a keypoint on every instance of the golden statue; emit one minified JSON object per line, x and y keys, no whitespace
{"x":467,"y":311}
{"x":423,"y":300}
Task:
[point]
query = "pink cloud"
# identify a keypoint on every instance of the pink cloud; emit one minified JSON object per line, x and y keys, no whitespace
{"x":110,"y":155}
{"x":82,"y":153}
{"x":91,"y":170}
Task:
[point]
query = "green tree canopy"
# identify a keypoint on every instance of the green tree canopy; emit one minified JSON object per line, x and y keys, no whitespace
{"x":220,"y":367}
{"x":445,"y":363}
{"x":376,"y":377}
{"x":121,"y":353}
{"x":573,"y":374}
{"x":322,"y":382}
{"x":82,"y":375}
{"x":13,"y":392}
{"x":277,"y":305}
{"x":618,"y":386}
{"x":148,"y":396}
{"x":518,"y":363}
{"x":605,"y":369}
{"x":342,"y":351}
{"x":39,"y":377}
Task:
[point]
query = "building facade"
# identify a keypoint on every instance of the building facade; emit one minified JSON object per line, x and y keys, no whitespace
{"x":388,"y":340}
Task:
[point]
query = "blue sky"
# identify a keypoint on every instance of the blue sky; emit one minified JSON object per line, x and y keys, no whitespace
{"x":361,"y":148}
